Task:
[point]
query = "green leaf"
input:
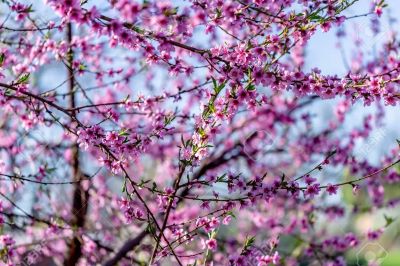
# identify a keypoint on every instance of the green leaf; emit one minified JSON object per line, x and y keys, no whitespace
{"x":23,"y":79}
{"x":389,"y":220}
{"x":143,"y":182}
{"x":251,"y":87}
{"x":315,"y":17}
{"x":231,"y":214}
{"x":221,"y":87}
{"x":171,"y":12}
{"x":123,"y":133}
{"x":183,"y":141}
{"x":217,"y":88}
{"x":219,"y":13}
{"x":248,"y":243}
{"x":126,"y":98}
{"x":151,"y":229}
{"x":2,"y":58}
{"x":124,"y":186}
{"x":219,"y":179}
{"x":214,"y":83}
{"x":50,"y":170}
{"x":30,"y":9}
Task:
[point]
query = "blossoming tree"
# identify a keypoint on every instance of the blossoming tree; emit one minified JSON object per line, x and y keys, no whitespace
{"x":186,"y":133}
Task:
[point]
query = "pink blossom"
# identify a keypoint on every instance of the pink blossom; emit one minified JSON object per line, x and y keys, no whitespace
{"x":210,"y":244}
{"x":331,"y":189}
